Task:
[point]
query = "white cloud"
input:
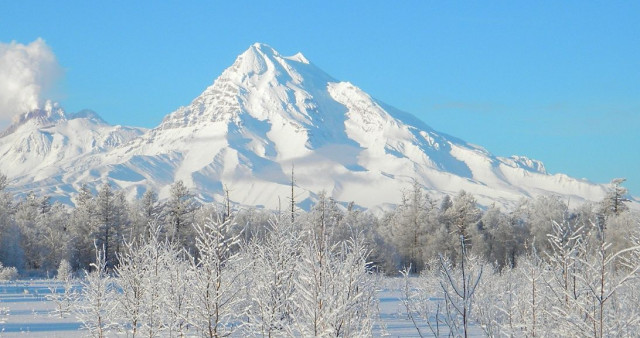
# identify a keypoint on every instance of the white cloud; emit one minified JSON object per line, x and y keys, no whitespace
{"x":27,"y":72}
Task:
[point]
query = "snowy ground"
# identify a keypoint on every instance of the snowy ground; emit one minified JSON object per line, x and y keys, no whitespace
{"x":25,"y":311}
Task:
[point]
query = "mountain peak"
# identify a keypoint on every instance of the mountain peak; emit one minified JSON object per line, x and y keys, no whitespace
{"x":50,"y":113}
{"x":261,"y":57}
{"x":88,"y":114}
{"x":256,"y":60}
{"x":263,"y":48}
{"x":260,"y":82}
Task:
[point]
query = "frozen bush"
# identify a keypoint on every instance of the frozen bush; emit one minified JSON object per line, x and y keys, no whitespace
{"x":8,"y":273}
{"x":64,"y":271}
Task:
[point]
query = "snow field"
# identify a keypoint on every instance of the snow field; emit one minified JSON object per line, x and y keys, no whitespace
{"x":26,"y":309}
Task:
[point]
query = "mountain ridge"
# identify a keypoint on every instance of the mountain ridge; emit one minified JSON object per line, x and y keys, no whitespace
{"x":268,"y":112}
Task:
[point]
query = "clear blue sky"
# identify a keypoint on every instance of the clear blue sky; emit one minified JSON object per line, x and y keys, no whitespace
{"x":555,"y":81}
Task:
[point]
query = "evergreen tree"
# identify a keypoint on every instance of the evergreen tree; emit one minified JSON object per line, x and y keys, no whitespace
{"x":83,"y":229}
{"x":411,"y":225}
{"x":107,"y":219}
{"x":614,"y":202}
{"x":179,"y":215}
{"x":145,"y":211}
{"x":11,"y":253}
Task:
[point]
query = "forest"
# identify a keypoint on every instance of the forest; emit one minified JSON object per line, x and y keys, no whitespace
{"x":178,"y":267}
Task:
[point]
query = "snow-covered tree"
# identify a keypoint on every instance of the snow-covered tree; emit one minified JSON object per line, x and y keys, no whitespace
{"x":83,"y":228}
{"x":411,"y":224}
{"x":56,"y":237}
{"x":95,"y":305}
{"x":177,"y":293}
{"x":144,"y":212}
{"x":272,"y":271}
{"x":65,"y":272}
{"x":463,"y":214}
{"x":8,"y":273}
{"x":143,"y":279}
{"x":65,"y":294}
{"x":614,"y":202}
{"x":26,"y":217}
{"x":324,"y":216}
{"x":459,"y":286}
{"x":108,"y":214}
{"x":503,"y":240}
{"x":179,"y":214}
{"x":603,"y":273}
{"x":539,"y":214}
{"x":11,"y":253}
{"x":335,"y":292}
{"x":214,"y":289}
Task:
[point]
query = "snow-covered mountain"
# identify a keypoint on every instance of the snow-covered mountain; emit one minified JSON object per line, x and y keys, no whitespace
{"x":40,"y":150}
{"x":265,"y":114}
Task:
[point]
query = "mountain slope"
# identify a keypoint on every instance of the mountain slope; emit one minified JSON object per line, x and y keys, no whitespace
{"x":268,"y":113}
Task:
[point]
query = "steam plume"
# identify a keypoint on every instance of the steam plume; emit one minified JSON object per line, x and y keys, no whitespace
{"x":27,"y":72}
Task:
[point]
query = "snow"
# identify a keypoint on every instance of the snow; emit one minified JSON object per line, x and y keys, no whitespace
{"x":30,"y":313}
{"x":262,"y":115}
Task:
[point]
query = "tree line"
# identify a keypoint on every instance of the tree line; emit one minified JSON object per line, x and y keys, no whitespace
{"x":36,"y":234}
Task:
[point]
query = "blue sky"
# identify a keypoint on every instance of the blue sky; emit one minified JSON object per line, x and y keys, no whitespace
{"x":554,"y":81}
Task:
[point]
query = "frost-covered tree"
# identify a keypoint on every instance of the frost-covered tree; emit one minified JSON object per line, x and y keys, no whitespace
{"x":177,"y":293}
{"x":179,"y":214}
{"x":503,"y":240}
{"x":44,"y":238}
{"x":215,"y":289}
{"x":56,"y":237}
{"x":325,"y":216}
{"x":539,"y":214}
{"x":143,"y":212}
{"x":459,"y":287}
{"x":151,"y":298}
{"x":462,"y":217}
{"x":582,"y":287}
{"x":335,"y":293}
{"x":565,"y":241}
{"x":8,"y":273}
{"x":6,"y":218}
{"x":132,"y":277}
{"x":464,"y":214}
{"x":11,"y":253}
{"x":614,"y":202}
{"x":83,"y":227}
{"x":603,"y":273}
{"x":65,"y":293}
{"x":411,"y":224}
{"x":272,"y":271}
{"x":121,"y":219}
{"x":145,"y":283}
{"x":515,"y":302}
{"x":107,"y":224}
{"x":255,"y":223}
{"x":65,"y":272}
{"x":95,"y":305}
{"x":26,"y":217}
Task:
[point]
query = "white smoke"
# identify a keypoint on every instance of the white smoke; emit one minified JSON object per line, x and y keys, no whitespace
{"x":27,"y":72}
